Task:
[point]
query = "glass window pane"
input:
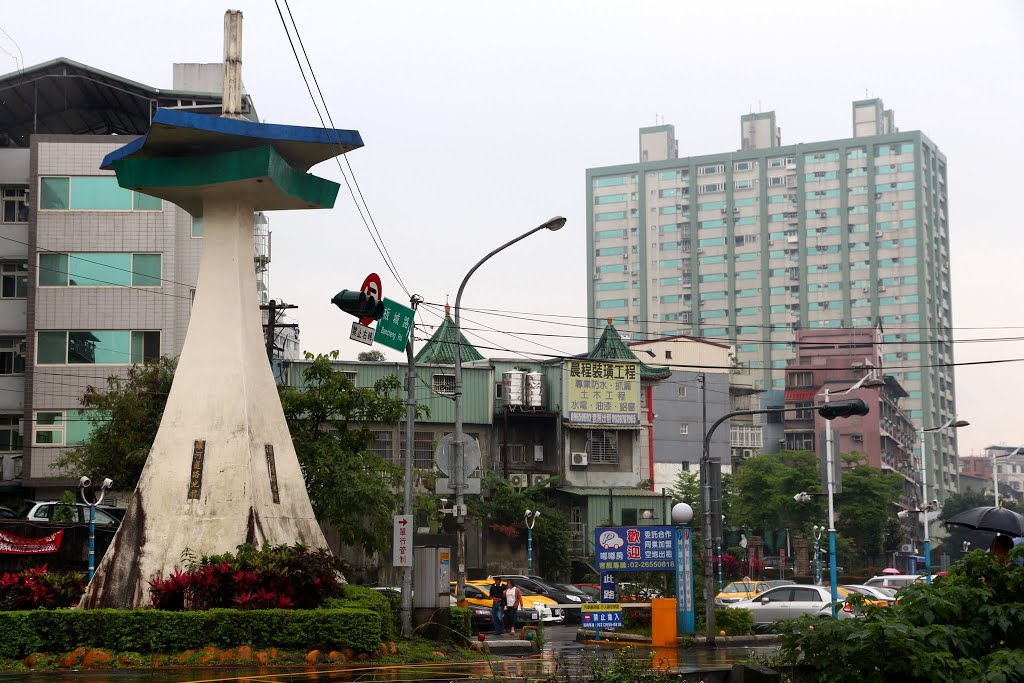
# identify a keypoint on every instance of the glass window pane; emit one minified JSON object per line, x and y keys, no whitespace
{"x":145,"y":346}
{"x":102,"y":347}
{"x":55,"y":418}
{"x":146,"y":270}
{"x":53,"y":270}
{"x":53,"y":193}
{"x":48,"y":437}
{"x":99,"y":193}
{"x":100,"y":270}
{"x":80,"y":425}
{"x":197,"y":226}
{"x":145,"y":202}
{"x":52,"y":348}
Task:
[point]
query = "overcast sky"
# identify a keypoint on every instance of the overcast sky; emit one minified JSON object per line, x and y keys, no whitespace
{"x":480,"y":118}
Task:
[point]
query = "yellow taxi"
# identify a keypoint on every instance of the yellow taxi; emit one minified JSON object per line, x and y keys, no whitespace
{"x":740,"y":590}
{"x":535,"y":607}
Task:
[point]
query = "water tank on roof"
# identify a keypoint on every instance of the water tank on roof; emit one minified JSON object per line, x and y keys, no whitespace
{"x":512,"y":383}
{"x":534,"y":390}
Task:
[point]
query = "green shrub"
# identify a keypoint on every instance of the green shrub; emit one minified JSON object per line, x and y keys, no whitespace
{"x":967,"y":626}
{"x":37,"y":588}
{"x":735,"y":622}
{"x":360,"y":597}
{"x":148,"y":631}
{"x":252,"y":578}
{"x":460,"y":623}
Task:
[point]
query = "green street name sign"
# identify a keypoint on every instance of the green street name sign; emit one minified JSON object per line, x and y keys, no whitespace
{"x":394,"y":326}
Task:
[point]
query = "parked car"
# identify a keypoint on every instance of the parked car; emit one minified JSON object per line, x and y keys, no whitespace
{"x":535,"y":607}
{"x":872,"y":595}
{"x":44,"y":510}
{"x":574,"y":590}
{"x":635,"y":592}
{"x":775,"y":583}
{"x":479,"y":617}
{"x":7,"y":513}
{"x":896,"y":581}
{"x":538,"y":586}
{"x":740,"y":590}
{"x":592,"y":590}
{"x":790,"y":602}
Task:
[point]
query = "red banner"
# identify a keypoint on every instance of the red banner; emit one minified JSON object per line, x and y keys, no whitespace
{"x":16,"y":545}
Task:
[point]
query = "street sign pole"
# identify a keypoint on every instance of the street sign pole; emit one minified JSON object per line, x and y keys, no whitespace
{"x":685,"y":615}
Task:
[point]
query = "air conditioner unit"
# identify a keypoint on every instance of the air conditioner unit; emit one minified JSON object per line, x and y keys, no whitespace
{"x":907,"y":548}
{"x":580,"y":459}
{"x":538,"y":478}
{"x":519,"y":481}
{"x":747,"y":452}
{"x":878,"y":233}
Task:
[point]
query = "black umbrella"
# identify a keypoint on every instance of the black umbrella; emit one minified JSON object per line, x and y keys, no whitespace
{"x":989,"y":518}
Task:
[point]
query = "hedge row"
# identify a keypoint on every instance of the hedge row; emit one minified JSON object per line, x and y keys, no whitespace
{"x":360,"y":597}
{"x":150,"y":631}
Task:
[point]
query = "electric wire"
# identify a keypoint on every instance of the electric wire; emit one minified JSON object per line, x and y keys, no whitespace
{"x":381,"y":248}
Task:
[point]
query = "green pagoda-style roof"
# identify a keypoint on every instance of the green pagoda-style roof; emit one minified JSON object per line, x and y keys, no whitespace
{"x":611,"y":347}
{"x":440,"y":350}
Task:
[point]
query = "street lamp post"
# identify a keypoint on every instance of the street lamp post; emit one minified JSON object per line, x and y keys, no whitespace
{"x":995,"y":469}
{"x":531,"y":519}
{"x":925,"y":506}
{"x":817,"y":530}
{"x":867,"y":380}
{"x":83,"y":484}
{"x":458,"y":449}
{"x":682,"y":513}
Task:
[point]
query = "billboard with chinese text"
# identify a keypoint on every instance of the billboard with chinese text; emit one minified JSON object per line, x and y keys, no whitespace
{"x":636,"y":549}
{"x":602,"y":393}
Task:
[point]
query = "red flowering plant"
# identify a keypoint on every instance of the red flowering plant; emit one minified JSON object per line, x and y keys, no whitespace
{"x":271,"y":577}
{"x":37,"y":588}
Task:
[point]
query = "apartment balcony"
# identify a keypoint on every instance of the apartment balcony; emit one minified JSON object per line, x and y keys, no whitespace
{"x":743,"y":436}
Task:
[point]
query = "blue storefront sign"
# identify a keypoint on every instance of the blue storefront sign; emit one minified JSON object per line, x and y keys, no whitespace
{"x":607,"y":587}
{"x":601,"y":616}
{"x":636,"y":549}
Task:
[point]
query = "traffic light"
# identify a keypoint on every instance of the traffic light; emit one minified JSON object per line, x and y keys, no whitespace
{"x":834,"y":409}
{"x":358,"y":304}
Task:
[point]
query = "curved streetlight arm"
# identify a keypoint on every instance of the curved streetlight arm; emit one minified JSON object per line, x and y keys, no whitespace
{"x":458,"y":460}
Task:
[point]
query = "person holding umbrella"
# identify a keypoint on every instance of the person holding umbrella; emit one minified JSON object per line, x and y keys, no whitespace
{"x":1001,"y":546}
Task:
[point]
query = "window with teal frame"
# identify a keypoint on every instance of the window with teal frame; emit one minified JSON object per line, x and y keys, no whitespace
{"x":99,"y":270}
{"x":671,"y":263}
{"x":669,"y":175}
{"x":747,"y":293}
{"x":712,"y":260}
{"x":611,"y":251}
{"x":713,"y":277}
{"x":746,"y":201}
{"x":669,"y":281}
{"x":601,"y":234}
{"x":96,"y":347}
{"x":612,"y":268}
{"x":610,"y":286}
{"x":610,"y":199}
{"x":713,"y":296}
{"x":91,"y":193}
{"x":715,"y":223}
{"x":667,"y":210}
{"x":612,"y":303}
{"x":608,"y":182}
{"x":671,"y":298}
{"x":712,"y":242}
{"x":710,"y":206}
{"x":747,"y":275}
{"x":610,"y":216}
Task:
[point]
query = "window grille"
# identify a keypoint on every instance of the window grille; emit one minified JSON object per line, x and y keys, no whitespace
{"x":603,"y":447}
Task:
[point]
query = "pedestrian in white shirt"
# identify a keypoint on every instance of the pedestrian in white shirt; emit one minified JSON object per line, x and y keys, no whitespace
{"x":513,"y":601}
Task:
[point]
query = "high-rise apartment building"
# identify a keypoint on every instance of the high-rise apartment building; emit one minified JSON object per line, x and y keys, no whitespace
{"x":94,"y":277}
{"x":746,"y":247}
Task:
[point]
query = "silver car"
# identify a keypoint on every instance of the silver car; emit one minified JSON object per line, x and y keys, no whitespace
{"x":790,"y":602}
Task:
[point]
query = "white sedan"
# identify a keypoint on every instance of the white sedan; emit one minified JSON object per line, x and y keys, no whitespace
{"x":790,"y":602}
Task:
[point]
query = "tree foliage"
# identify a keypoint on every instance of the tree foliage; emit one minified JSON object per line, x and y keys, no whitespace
{"x":371,"y":355}
{"x":763,"y":491}
{"x":349,"y":486}
{"x":968,"y":626}
{"x":866,"y":511}
{"x":126,"y":415}
{"x":506,"y":508}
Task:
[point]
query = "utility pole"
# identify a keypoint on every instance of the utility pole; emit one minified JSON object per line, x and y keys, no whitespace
{"x":273,"y":308}
{"x":410,"y":429}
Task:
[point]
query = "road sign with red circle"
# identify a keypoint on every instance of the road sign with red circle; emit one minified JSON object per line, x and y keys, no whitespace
{"x":373,"y":291}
